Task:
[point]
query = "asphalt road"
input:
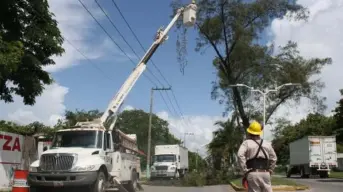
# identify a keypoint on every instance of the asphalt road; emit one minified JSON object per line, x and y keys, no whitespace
{"x":216,"y":188}
{"x":321,"y":185}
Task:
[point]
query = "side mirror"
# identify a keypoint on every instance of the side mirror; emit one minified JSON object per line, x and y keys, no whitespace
{"x":45,"y":148}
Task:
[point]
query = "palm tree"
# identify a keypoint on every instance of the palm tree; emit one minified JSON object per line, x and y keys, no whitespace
{"x":224,"y":145}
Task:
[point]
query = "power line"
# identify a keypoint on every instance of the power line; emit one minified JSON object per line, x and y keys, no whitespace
{"x":170,"y":111}
{"x":159,"y":71}
{"x":78,"y":50}
{"x":118,"y":44}
{"x":122,"y":36}
{"x":139,"y":42}
{"x":90,"y":61}
{"x":112,"y":38}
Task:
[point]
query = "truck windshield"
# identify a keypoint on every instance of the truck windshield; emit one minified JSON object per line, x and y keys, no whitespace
{"x":164,"y":158}
{"x":85,"y":139}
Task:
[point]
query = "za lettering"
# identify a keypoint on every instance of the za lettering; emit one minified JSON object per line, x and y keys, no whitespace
{"x":7,"y":143}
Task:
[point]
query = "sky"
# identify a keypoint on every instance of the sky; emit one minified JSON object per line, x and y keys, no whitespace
{"x":89,"y":80}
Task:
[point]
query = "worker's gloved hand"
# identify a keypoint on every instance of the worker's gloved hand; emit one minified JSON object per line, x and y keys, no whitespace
{"x":246,"y":171}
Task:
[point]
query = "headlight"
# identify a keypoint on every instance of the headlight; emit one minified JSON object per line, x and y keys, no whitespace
{"x":172,"y":168}
{"x":152,"y":168}
{"x":33,"y":169}
{"x":84,"y":168}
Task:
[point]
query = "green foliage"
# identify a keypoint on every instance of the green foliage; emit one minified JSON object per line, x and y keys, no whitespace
{"x":72,"y":117}
{"x":196,"y":162}
{"x":29,"y":36}
{"x":137,"y":122}
{"x":29,"y":129}
{"x":194,"y":179}
{"x":232,"y":29}
{"x":338,"y":116}
{"x":224,"y":145}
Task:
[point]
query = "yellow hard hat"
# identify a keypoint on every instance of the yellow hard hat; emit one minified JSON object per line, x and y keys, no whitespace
{"x":255,"y":128}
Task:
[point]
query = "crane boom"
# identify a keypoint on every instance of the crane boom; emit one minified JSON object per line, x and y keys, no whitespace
{"x":110,"y":115}
{"x":118,"y":99}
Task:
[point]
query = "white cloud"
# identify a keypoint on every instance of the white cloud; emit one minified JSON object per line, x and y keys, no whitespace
{"x":128,"y":108}
{"x":319,"y":37}
{"x":48,"y":109}
{"x":78,"y":27}
{"x":202,"y":127}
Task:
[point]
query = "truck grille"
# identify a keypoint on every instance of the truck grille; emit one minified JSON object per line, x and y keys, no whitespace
{"x":161,"y":167}
{"x":56,"y":162}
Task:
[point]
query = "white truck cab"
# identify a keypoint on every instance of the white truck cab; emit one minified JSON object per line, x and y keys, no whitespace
{"x":169,"y":161}
{"x":84,"y":157}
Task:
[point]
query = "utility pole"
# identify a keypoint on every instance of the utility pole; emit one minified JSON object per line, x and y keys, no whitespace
{"x":196,"y":160}
{"x":150,"y":124}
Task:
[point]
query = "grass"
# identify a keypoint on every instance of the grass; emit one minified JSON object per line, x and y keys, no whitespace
{"x":275,"y":181}
{"x":338,"y":175}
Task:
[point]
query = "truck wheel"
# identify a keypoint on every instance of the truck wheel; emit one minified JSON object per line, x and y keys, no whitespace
{"x":100,"y":183}
{"x":288,"y":174}
{"x":133,"y":183}
{"x":302,"y":174}
{"x":323,"y":174}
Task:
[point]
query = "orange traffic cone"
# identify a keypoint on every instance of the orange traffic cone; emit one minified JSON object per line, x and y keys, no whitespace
{"x":20,"y":181}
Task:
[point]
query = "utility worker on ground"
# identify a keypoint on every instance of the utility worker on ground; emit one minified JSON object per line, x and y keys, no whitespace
{"x":257,"y":159}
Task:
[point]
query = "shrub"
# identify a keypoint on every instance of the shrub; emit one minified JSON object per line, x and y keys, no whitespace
{"x":194,"y":179}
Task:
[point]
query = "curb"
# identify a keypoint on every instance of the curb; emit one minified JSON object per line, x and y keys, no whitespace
{"x":288,"y":188}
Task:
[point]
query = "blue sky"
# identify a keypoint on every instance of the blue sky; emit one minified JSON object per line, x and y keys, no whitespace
{"x":89,"y":88}
{"x":80,"y":85}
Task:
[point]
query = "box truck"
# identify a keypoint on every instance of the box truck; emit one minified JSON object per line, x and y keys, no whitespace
{"x":312,"y":155}
{"x":169,"y":161}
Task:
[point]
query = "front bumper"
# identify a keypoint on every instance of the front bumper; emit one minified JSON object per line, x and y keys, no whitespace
{"x":158,"y":174}
{"x":63,"y":179}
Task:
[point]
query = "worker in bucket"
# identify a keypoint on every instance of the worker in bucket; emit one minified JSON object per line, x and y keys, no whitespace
{"x":257,"y":159}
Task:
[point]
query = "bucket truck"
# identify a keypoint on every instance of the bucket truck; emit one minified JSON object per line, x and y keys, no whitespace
{"x":92,"y":153}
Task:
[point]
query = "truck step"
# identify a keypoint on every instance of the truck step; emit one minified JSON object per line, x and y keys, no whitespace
{"x":112,"y":189}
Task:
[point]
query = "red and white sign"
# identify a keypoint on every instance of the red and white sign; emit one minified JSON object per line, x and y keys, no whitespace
{"x":11,"y":146}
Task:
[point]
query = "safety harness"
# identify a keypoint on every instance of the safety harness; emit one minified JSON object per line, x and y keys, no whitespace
{"x":258,"y":162}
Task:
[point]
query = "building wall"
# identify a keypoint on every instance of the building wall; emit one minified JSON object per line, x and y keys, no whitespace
{"x":11,"y":147}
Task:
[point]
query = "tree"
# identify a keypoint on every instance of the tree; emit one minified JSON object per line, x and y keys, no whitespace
{"x":232,"y":29}
{"x":338,"y":116}
{"x":224,"y":145}
{"x":193,"y":159}
{"x":30,"y":129}
{"x":285,"y":133}
{"x":80,"y":115}
{"x":137,"y":122}
{"x":29,"y":36}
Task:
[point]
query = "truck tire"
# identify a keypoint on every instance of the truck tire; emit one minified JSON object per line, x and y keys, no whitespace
{"x":288,"y":174}
{"x":302,"y":173}
{"x":323,"y":174}
{"x":100,"y":183}
{"x":131,"y":186}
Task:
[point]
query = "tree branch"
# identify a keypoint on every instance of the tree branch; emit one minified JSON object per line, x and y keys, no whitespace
{"x":224,"y":31}
{"x":282,"y":100}
{"x":222,"y":63}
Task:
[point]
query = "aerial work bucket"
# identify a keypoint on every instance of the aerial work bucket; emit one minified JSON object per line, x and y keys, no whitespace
{"x":20,"y":181}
